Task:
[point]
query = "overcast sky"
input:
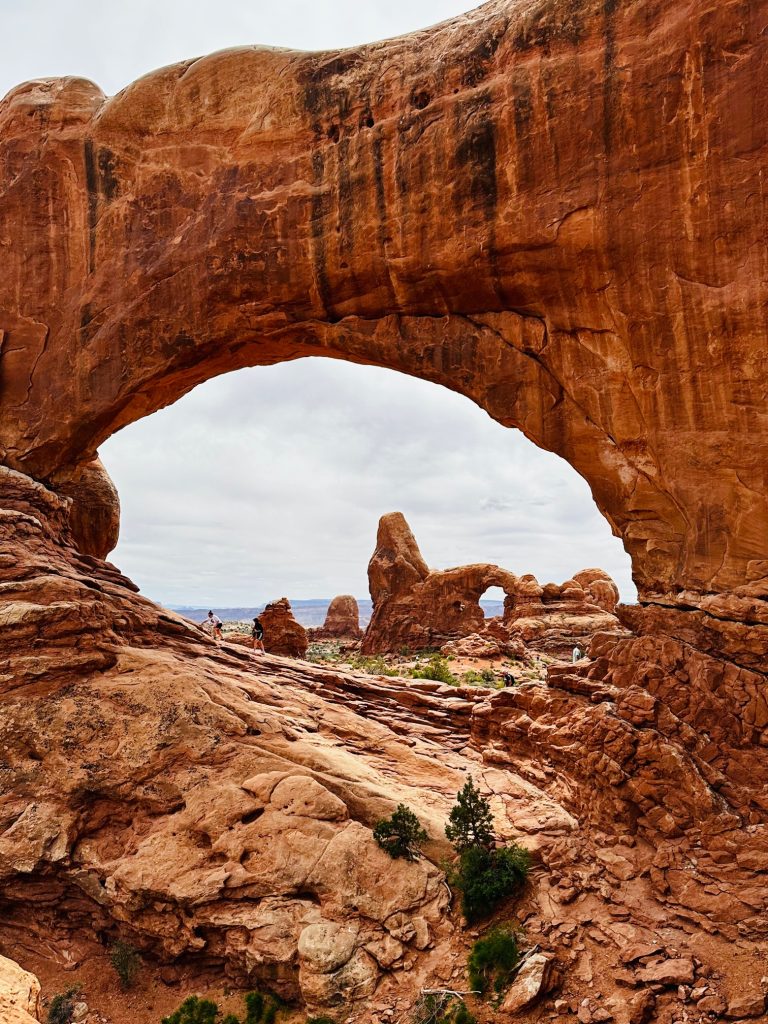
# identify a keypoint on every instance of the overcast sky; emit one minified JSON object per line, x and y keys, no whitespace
{"x":270,"y":482}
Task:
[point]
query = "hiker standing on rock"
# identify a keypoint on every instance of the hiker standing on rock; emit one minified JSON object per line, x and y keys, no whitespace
{"x":258,"y":636}
{"x":212,"y":625}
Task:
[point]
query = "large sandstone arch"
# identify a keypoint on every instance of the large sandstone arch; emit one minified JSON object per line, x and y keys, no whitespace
{"x":554,"y":208}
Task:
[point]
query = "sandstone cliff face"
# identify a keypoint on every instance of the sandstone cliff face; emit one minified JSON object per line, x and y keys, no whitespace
{"x":415,"y":607}
{"x":554,"y":208}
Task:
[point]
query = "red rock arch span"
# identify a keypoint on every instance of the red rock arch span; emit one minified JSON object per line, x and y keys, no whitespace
{"x":554,"y":208}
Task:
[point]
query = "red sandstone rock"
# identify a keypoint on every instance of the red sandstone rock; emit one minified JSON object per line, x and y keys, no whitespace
{"x":342,"y":621}
{"x":532,"y":981}
{"x":416,"y":607}
{"x":282,"y":633}
{"x":555,"y":209}
{"x":493,"y":241}
{"x":19,"y":994}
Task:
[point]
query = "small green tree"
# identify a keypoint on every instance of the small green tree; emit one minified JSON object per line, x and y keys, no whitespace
{"x":63,"y":1007}
{"x":126,"y":962}
{"x":401,"y":835}
{"x":486,"y":877}
{"x":492,"y":960}
{"x":194,"y":1011}
{"x":470,"y":823}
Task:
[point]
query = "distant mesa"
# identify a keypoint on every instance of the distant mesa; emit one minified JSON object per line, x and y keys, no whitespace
{"x":415,"y":607}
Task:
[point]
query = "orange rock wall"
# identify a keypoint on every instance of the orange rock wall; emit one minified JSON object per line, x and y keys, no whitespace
{"x":554,"y":208}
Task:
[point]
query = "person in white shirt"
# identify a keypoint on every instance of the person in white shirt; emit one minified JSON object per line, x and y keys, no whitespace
{"x":212,"y":625}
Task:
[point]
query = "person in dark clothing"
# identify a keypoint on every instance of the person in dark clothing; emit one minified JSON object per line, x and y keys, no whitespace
{"x":257,"y":632}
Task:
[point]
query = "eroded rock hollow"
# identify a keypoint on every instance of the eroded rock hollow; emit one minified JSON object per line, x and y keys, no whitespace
{"x":556,"y":208}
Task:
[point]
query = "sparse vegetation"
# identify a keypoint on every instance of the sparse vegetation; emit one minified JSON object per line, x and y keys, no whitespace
{"x":259,"y":1009}
{"x":324,"y":651}
{"x":484,"y":875}
{"x":375,"y":665}
{"x":126,"y":962}
{"x":492,"y":961}
{"x":436,"y":668}
{"x":470,"y":822}
{"x":485,"y":677}
{"x":401,"y":835}
{"x":441,"y":1008}
{"x":194,"y":1011}
{"x":62,"y":1007}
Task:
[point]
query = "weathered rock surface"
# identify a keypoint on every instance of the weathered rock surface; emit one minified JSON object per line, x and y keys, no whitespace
{"x":532,"y":981}
{"x":19,"y":994}
{"x":556,"y":209}
{"x":282,"y":633}
{"x":416,"y":607}
{"x":342,"y":620}
{"x":471,"y":220}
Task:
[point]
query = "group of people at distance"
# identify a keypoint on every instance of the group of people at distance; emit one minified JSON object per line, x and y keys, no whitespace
{"x":212,"y":625}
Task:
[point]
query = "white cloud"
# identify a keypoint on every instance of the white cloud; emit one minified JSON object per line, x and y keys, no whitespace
{"x":271,"y":481}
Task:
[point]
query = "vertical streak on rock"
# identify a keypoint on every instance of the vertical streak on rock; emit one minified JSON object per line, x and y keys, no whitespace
{"x":382,"y":230}
{"x":91,"y":185}
{"x":609,"y":55}
{"x":318,"y":209}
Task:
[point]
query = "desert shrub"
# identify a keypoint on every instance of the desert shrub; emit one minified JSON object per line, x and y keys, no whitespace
{"x":375,"y":665}
{"x":194,"y":1011}
{"x":260,"y":1009}
{"x":486,"y":877}
{"x":126,"y":962}
{"x":488,"y":676}
{"x":470,"y":822}
{"x":401,"y":835}
{"x":441,"y":1008}
{"x":492,"y":960}
{"x":62,"y":1007}
{"x":436,"y":668}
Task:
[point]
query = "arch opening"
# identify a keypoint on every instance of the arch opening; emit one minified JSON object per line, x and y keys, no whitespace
{"x":270,"y":482}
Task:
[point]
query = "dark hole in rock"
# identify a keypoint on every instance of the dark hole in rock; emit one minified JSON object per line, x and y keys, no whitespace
{"x":252,"y":816}
{"x":421,"y":99}
{"x":334,"y":133}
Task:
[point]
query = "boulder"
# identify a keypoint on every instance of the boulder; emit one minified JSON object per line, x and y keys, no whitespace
{"x":668,"y":972}
{"x":533,"y":980}
{"x":282,"y":633}
{"x":19,"y":994}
